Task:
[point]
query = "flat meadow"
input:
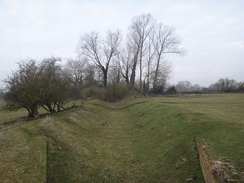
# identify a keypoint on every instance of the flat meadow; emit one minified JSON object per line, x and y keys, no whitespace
{"x":149,"y":139}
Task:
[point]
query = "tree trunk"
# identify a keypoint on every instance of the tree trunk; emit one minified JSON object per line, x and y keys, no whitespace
{"x":118,"y":77}
{"x":156,"y":75}
{"x":133,"y":74}
{"x":105,"y":78}
{"x":33,"y":112}
{"x":127,"y":80}
{"x":148,"y":75}
{"x":50,"y":108}
{"x":141,"y":55}
{"x":140,"y":87}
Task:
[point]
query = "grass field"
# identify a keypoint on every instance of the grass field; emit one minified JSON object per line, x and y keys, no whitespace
{"x":138,"y":140}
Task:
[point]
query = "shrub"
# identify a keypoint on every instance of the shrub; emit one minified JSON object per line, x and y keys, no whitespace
{"x":171,"y":90}
{"x":94,"y":92}
{"x":117,"y":92}
{"x":112,"y":93}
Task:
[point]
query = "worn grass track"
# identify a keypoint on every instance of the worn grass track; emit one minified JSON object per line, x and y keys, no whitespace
{"x":139,"y":140}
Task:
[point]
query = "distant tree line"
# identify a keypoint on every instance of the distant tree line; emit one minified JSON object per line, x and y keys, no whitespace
{"x":227,"y":85}
{"x":186,"y":86}
{"x":106,"y":67}
{"x":141,"y":62}
{"x":222,"y":85}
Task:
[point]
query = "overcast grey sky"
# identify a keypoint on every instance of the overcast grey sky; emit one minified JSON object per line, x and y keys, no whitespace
{"x":212,"y":31}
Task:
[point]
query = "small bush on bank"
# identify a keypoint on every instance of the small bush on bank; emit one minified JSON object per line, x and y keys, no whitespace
{"x":112,"y":93}
{"x":117,"y":92}
{"x":171,"y":90}
{"x":94,"y":92}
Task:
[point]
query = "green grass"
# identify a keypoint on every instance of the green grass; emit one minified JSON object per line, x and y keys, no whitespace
{"x":152,"y":141}
{"x":8,"y":116}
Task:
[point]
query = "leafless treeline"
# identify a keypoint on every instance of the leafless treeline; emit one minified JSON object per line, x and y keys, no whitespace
{"x":223,"y":85}
{"x":227,"y":85}
{"x":139,"y":62}
{"x":140,"y":59}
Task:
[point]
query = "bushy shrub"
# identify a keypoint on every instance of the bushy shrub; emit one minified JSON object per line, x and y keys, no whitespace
{"x":94,"y":92}
{"x":112,"y":93}
{"x":117,"y":92}
{"x":171,"y":90}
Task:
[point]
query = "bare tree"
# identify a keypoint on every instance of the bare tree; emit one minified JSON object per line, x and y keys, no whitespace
{"x":100,"y":52}
{"x":164,"y":41}
{"x":135,"y":52}
{"x":146,"y":48}
{"x":227,"y":85}
{"x":196,"y":87}
{"x":92,"y":75}
{"x":114,"y":75}
{"x":75,"y":72}
{"x":149,"y":72}
{"x":75,"y":69}
{"x":150,"y":43}
{"x":138,"y":33}
{"x":126,"y":62}
{"x":159,"y":76}
{"x":183,"y":86}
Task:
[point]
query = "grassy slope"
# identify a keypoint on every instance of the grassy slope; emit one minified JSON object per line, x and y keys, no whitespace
{"x":146,"y":142}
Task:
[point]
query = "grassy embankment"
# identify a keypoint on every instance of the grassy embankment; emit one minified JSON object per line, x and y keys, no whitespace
{"x":152,"y":141}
